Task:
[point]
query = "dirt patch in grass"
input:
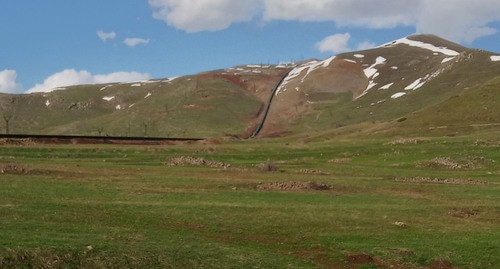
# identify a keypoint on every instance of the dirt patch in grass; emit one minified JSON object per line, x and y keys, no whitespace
{"x":268,"y":166}
{"x":294,"y":186}
{"x":405,"y":141}
{"x":320,"y":257}
{"x":464,"y":213}
{"x":453,"y":164}
{"x":487,"y":143}
{"x":312,"y":172}
{"x":14,"y":169}
{"x":194,"y":161}
{"x":359,"y":258}
{"x":87,"y":257}
{"x":452,"y":181}
{"x":21,"y":142}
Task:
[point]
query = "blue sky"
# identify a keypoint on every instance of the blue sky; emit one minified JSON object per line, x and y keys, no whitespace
{"x":48,"y":44}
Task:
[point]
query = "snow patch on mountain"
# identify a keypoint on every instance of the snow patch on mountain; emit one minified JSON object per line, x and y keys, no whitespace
{"x":397,"y":95}
{"x":416,"y":84}
{"x":147,"y":95}
{"x":372,"y":71}
{"x":105,"y":87}
{"x":359,"y":56}
{"x":419,"y":44}
{"x":47,"y":103}
{"x":169,"y":80}
{"x":297,"y":71}
{"x":136,"y":85}
{"x":421,"y":81}
{"x":495,"y":58}
{"x":118,"y":107}
{"x":108,"y":98}
{"x":370,"y":85}
{"x":386,"y":87}
{"x":350,"y":61}
{"x":445,"y":60}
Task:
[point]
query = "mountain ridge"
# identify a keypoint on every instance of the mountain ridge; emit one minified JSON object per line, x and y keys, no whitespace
{"x":383,"y":84}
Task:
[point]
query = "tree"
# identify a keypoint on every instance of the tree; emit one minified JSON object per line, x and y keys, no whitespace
{"x":99,"y":130}
{"x":8,"y":110}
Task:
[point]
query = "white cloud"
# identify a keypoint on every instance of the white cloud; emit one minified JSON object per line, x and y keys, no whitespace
{"x":71,"y":77}
{"x":204,"y":15}
{"x":8,"y":83}
{"x":337,"y":43}
{"x":458,"y":20}
{"x":132,"y":41}
{"x":365,"y":45}
{"x":104,"y":36}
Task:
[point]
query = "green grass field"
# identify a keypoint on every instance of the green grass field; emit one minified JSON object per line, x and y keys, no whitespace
{"x":407,"y":203}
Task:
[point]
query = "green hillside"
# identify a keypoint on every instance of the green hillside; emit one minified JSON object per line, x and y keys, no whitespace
{"x":413,"y":85}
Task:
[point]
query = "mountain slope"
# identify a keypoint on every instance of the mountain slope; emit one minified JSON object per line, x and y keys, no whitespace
{"x":384,"y":84}
{"x":411,"y":85}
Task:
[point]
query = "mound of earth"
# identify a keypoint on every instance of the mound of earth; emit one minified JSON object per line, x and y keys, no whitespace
{"x":293,"y":186}
{"x":452,"y":181}
{"x":183,"y":161}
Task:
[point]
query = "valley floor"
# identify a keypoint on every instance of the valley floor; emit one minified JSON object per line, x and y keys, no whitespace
{"x":365,"y":203}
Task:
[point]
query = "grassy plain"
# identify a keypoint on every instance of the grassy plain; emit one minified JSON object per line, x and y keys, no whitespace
{"x":406,"y":203}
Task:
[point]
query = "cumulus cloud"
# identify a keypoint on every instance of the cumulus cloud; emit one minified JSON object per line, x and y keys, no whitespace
{"x":458,"y":20}
{"x":104,"y":36}
{"x":133,"y":41}
{"x":8,"y":83}
{"x":337,"y":43}
{"x":204,"y":15}
{"x":464,"y":21}
{"x":71,"y":77}
{"x":365,"y":45}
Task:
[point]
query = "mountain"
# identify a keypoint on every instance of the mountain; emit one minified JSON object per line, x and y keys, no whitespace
{"x":414,"y":85}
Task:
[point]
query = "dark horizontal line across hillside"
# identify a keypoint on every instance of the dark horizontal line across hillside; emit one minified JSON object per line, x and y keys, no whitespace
{"x":96,"y":139}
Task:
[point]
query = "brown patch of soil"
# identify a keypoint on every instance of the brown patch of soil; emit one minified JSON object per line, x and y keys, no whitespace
{"x":183,"y":161}
{"x":359,"y":258}
{"x":21,"y":142}
{"x":14,"y":169}
{"x":450,"y":163}
{"x":268,"y":166}
{"x":464,"y":213}
{"x":319,"y":256}
{"x":312,"y":172}
{"x":293,"y":186}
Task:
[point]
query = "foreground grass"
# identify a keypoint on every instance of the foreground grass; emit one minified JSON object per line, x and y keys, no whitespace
{"x":125,"y":207}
